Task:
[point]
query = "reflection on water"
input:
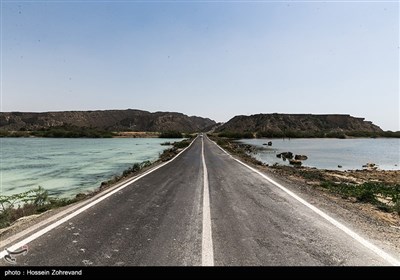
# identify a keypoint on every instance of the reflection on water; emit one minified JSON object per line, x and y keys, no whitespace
{"x":70,"y":166}
{"x":330,"y":153}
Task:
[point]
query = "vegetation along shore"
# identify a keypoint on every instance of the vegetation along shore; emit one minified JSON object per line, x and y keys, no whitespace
{"x":376,"y":188}
{"x":378,"y":191}
{"x":39,"y":200}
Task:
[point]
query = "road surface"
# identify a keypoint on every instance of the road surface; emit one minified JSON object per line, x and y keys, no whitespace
{"x":202,"y":208}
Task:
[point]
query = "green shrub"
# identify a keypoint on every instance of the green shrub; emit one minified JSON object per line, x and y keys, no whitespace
{"x":396,"y":207}
{"x":390,"y":134}
{"x":4,"y":133}
{"x":361,"y":133}
{"x":222,"y":142}
{"x":134,"y":168}
{"x":12,"y":207}
{"x":384,"y":207}
{"x":368,"y":192}
{"x":335,"y":134}
{"x":289,"y":134}
{"x":171,"y":134}
{"x":182,"y":144}
{"x":270,"y":134}
{"x":366,"y":195}
{"x":68,"y":131}
{"x":41,"y":197}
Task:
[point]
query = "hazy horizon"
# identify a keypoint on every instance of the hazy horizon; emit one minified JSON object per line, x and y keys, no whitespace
{"x":201,"y":58}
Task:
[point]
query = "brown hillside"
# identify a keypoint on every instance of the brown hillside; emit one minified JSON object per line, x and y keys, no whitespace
{"x":112,"y":120}
{"x":297,"y":122}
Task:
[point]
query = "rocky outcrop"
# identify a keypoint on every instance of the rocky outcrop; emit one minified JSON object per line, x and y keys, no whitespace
{"x":112,"y":120}
{"x":300,"y":157}
{"x":370,"y":166}
{"x":285,"y":155}
{"x":297,"y":123}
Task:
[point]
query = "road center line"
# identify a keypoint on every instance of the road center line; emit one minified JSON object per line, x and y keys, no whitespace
{"x":336,"y":223}
{"x":207,"y":252}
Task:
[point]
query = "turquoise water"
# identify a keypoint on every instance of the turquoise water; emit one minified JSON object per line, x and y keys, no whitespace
{"x":329,"y":153}
{"x":68,"y":166}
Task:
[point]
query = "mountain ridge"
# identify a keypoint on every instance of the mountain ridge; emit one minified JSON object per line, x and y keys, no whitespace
{"x":110,"y":120}
{"x":139,"y":120}
{"x":279,"y":124}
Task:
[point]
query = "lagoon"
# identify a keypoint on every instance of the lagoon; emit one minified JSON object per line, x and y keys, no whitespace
{"x":66,"y":167}
{"x":328,"y":153}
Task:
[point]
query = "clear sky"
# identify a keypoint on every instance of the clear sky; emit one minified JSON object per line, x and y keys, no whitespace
{"x":214,"y":59}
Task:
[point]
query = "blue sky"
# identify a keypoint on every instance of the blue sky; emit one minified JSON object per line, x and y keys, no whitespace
{"x":211,"y":59}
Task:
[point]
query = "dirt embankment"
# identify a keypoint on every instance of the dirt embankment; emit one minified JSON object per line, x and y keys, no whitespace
{"x":347,"y":188}
{"x":315,"y":176}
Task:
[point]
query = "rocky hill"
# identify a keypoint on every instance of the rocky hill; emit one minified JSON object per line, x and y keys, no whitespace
{"x":297,"y":123}
{"x":111,"y":120}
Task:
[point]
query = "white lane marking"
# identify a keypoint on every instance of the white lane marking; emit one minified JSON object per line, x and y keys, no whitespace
{"x":339,"y":225}
{"x":84,"y":208}
{"x":207,"y":251}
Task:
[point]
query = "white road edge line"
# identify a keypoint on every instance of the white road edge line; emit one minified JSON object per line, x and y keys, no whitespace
{"x":207,"y":251}
{"x":39,"y":233}
{"x":339,"y":225}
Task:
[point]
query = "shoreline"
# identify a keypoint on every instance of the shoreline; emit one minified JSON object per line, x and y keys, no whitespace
{"x":91,"y":134}
{"x":378,"y":190}
{"x":56,"y":204}
{"x":323,"y":153}
{"x":78,"y":132}
{"x":306,"y":177}
{"x":136,"y":134}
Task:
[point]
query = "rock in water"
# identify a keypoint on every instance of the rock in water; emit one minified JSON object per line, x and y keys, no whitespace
{"x":370,"y":166}
{"x":300,"y":157}
{"x":288,"y":155}
{"x":285,"y":155}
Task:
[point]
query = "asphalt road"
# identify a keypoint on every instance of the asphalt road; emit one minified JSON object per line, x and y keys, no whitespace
{"x":159,"y":220}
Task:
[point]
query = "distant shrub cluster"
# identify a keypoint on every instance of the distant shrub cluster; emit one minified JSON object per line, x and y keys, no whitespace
{"x":67,"y":131}
{"x":299,"y":134}
{"x":5,"y":133}
{"x":390,"y":134}
{"x":64,"y":131}
{"x":171,"y":134}
{"x":177,"y":146}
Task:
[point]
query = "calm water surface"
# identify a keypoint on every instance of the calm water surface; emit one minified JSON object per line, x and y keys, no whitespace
{"x":329,"y":153}
{"x":68,"y":166}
